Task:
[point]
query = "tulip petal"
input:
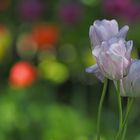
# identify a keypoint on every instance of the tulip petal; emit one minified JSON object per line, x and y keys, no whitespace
{"x":106,"y":29}
{"x":111,"y":26}
{"x":129,"y":46}
{"x":94,"y":69}
{"x":131,"y":83}
{"x":123,"y":31}
{"x":136,"y":87}
{"x":96,"y":51}
{"x":94,"y":39}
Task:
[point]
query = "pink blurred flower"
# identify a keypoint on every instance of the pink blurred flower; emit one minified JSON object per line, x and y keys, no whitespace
{"x":116,"y":7}
{"x":30,"y":9}
{"x":124,"y":8}
{"x":70,"y":13}
{"x":132,"y":12}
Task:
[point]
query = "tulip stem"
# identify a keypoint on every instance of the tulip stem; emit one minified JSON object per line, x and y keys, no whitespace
{"x":128,"y":109}
{"x":100,"y":108}
{"x":125,"y":122}
{"x":119,"y":105}
{"x":124,"y":131}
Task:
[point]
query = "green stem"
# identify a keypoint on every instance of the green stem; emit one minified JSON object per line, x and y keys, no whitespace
{"x":119,"y":105}
{"x":100,"y":108}
{"x":124,"y":131}
{"x":125,"y":126}
{"x":125,"y":122}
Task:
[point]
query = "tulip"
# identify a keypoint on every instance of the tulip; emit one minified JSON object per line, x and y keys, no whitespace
{"x":94,"y":69}
{"x":110,"y":49}
{"x":113,"y":58}
{"x":130,"y":84}
{"x":104,"y":30}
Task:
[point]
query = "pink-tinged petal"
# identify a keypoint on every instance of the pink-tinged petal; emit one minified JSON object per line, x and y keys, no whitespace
{"x":123,"y":31}
{"x":115,"y":66}
{"x":111,"y":59}
{"x":126,"y":66}
{"x":102,"y":48}
{"x":96,"y":51}
{"x":118,"y":48}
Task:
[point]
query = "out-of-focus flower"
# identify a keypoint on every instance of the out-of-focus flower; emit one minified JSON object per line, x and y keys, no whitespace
{"x":130,"y":85}
{"x":26,"y":46}
{"x":125,"y":8}
{"x":132,"y":12}
{"x":45,"y":35}
{"x":5,"y":41}
{"x":70,"y":13}
{"x":22,"y":74}
{"x":110,"y":49}
{"x":54,"y":71}
{"x":116,"y":5}
{"x":4,"y":4}
{"x":30,"y":9}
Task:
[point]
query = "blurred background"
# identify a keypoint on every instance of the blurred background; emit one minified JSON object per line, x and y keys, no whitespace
{"x":45,"y":93}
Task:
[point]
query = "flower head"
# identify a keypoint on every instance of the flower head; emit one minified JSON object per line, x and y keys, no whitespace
{"x":113,"y":58}
{"x":30,"y":9}
{"x":130,"y":84}
{"x":110,"y":49}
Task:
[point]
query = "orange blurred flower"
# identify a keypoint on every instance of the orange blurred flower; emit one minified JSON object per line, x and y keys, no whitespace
{"x":45,"y":35}
{"x":22,"y":74}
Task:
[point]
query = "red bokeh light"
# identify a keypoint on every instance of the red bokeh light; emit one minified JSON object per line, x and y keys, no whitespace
{"x":45,"y":35}
{"x":22,"y":74}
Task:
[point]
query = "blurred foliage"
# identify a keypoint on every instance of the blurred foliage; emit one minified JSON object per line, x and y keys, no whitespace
{"x":61,"y":103}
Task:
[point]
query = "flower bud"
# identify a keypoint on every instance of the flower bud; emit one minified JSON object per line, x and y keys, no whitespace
{"x":104,"y":30}
{"x":130,"y":84}
{"x":112,"y":52}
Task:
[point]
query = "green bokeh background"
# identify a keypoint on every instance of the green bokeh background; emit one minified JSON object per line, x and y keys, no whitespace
{"x":62,"y":103}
